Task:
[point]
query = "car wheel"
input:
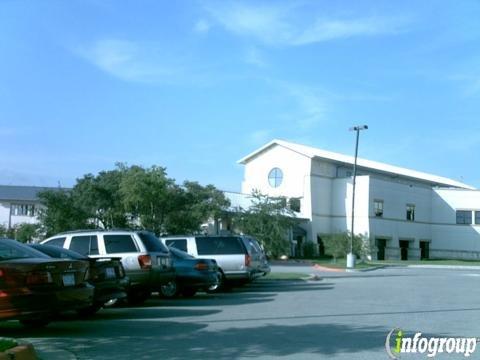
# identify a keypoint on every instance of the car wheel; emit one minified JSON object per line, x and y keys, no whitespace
{"x":137,"y":297}
{"x":169,"y":290}
{"x":89,"y":310}
{"x":219,"y":285}
{"x":35,"y":323}
{"x":189,"y":292}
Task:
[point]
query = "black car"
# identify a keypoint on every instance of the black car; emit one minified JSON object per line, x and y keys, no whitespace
{"x":34,"y":287}
{"x":191,"y":275}
{"x":106,"y":274}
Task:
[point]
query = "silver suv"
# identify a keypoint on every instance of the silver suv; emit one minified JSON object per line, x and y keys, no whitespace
{"x":146,"y":259}
{"x":240,"y":258}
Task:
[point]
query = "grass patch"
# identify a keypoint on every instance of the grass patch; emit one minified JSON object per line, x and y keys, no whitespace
{"x":285,"y":276}
{"x":6,"y":344}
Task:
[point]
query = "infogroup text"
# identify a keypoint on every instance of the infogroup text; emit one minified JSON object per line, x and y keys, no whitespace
{"x":431,"y":346}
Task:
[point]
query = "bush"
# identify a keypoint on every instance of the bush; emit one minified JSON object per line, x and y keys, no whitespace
{"x":338,"y":245}
{"x":309,"y":251}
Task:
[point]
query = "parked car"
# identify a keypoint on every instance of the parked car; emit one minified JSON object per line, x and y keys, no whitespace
{"x":192,"y":275}
{"x":106,"y":274}
{"x":34,"y":286}
{"x":146,"y":259}
{"x":240,"y":258}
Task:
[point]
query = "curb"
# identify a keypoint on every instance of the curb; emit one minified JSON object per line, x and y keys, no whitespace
{"x":23,"y":351}
{"x":453,"y":267}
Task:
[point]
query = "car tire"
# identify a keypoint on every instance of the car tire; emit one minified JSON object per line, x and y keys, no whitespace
{"x":35,"y":323}
{"x":138,"y":296}
{"x":189,"y":292}
{"x":89,"y":310}
{"x":169,"y":290}
{"x":219,"y":286}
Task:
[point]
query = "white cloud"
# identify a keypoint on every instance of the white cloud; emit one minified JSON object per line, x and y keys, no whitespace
{"x":202,"y":26}
{"x":129,"y":60}
{"x":278,"y":25}
{"x":325,"y":30}
{"x":255,"y":57}
{"x":260,"y":137}
{"x":312,"y":107}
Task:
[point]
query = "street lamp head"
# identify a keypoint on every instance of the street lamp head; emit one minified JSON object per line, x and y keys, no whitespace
{"x":359,"y":127}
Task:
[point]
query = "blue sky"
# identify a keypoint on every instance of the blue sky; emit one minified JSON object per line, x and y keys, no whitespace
{"x":196,"y":85}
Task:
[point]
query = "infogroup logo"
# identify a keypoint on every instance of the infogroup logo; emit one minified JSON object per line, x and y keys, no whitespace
{"x":431,"y":346}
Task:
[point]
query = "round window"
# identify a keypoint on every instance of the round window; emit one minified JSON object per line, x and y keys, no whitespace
{"x":275,"y":177}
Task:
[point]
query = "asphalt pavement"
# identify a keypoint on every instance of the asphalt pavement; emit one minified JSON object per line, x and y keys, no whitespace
{"x":340,"y":316}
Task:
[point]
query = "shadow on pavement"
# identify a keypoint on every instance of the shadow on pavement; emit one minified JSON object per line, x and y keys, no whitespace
{"x":194,"y":341}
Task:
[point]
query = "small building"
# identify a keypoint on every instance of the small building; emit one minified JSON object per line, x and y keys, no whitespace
{"x":19,"y":204}
{"x":406,"y":214}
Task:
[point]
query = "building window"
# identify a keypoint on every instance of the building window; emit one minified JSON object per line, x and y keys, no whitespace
{"x":23,"y":210}
{"x":465,"y":216}
{"x":410,"y":212}
{"x":275,"y":177}
{"x":378,"y":208}
{"x":477,"y":217}
{"x":294,"y":204}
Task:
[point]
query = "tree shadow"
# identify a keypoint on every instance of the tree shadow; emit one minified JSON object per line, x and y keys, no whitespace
{"x":194,"y":341}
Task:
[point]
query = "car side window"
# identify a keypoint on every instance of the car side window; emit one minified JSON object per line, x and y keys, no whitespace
{"x":180,"y":244}
{"x":57,"y":241}
{"x":85,"y":244}
{"x":119,"y":244}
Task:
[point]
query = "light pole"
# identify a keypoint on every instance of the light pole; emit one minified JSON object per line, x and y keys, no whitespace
{"x":350,"y":255}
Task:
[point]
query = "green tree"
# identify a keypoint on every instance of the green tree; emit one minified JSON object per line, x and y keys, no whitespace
{"x":26,"y":232}
{"x":60,"y":213}
{"x":148,"y":195}
{"x":6,"y":233}
{"x":195,"y":204}
{"x":338,"y":245}
{"x":100,"y":199}
{"x":269,"y":220}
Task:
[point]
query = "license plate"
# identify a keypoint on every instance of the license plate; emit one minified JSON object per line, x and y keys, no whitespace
{"x":110,"y":273}
{"x":69,"y":279}
{"x":162,"y":261}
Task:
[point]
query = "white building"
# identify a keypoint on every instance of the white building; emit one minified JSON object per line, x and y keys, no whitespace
{"x":406,"y":214}
{"x":19,"y":204}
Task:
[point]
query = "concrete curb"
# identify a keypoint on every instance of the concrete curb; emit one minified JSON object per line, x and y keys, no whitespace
{"x":54,"y":354}
{"x":453,"y":267}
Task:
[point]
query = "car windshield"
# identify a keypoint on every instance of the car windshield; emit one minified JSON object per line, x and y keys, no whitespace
{"x":180,"y":254}
{"x":11,"y":249}
{"x":152,"y":243}
{"x":57,"y":252}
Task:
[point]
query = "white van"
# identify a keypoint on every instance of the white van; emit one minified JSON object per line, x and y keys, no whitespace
{"x":240,"y":258}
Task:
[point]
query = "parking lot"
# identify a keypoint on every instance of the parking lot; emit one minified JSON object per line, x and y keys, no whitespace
{"x":341,"y":316}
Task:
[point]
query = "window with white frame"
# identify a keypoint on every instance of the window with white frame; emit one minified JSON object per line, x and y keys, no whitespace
{"x":23,"y":210}
{"x":410,"y":212}
{"x":378,"y":208}
{"x":464,"y":217}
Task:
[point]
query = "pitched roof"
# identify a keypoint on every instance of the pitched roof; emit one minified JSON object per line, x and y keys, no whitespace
{"x":21,"y":193}
{"x":312,"y":152}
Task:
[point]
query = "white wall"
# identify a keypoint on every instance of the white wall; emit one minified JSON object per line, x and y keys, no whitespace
{"x":15,"y":219}
{"x":450,"y":238}
{"x":296,"y":176}
{"x":341,"y":210}
{"x":4,"y":213}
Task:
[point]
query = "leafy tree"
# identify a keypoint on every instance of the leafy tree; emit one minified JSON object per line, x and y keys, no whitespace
{"x":338,"y":245}
{"x":6,"y":233}
{"x":26,"y":232}
{"x":195,"y":205}
{"x":99,"y":197}
{"x":149,"y":195}
{"x":269,"y":220}
{"x":60,"y":213}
